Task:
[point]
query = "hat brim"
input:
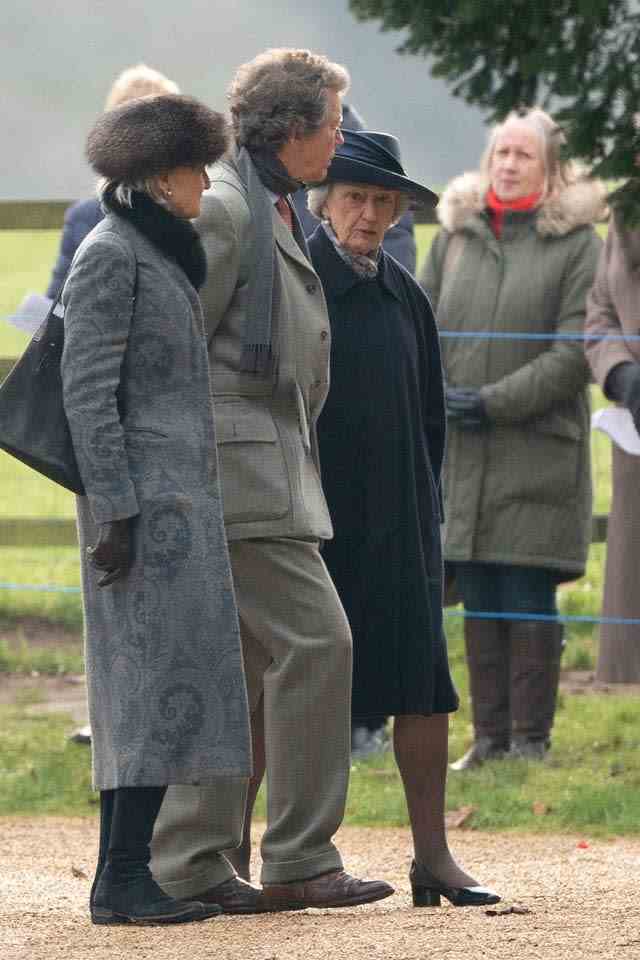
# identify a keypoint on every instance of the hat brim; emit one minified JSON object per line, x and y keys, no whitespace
{"x":346,"y":170}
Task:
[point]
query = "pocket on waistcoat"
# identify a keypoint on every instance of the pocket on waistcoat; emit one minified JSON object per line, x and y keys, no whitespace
{"x":255,"y":481}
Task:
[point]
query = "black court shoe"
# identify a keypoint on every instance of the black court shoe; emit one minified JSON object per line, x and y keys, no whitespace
{"x":427,"y":890}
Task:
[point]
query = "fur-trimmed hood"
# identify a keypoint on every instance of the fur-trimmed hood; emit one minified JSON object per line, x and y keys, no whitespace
{"x":581,"y":203}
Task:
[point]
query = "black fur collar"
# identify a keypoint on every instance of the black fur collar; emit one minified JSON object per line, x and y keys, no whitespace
{"x":177,"y":238}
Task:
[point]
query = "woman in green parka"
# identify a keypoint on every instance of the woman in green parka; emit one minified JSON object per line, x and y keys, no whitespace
{"x":510,"y":271}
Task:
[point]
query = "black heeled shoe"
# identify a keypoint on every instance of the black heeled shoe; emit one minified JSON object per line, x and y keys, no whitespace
{"x":427,"y":890}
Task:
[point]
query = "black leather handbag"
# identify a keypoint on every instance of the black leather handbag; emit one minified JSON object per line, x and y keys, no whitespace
{"x":33,"y":424}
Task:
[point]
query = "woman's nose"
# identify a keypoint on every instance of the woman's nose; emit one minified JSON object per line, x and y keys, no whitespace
{"x":339,"y":137}
{"x":369,"y":210}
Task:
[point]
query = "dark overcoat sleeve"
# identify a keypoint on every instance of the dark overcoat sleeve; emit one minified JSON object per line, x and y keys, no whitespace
{"x":79,"y":220}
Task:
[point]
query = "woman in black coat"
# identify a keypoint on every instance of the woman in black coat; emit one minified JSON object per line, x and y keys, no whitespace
{"x":381,"y":438}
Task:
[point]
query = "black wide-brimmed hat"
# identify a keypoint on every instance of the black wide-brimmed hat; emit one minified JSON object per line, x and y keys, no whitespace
{"x":151,"y":135}
{"x":369,"y":157}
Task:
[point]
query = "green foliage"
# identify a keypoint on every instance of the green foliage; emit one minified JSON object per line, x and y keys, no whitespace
{"x":578,"y":57}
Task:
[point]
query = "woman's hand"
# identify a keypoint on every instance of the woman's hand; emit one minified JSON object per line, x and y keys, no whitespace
{"x":112,"y":551}
{"x":465,"y":408}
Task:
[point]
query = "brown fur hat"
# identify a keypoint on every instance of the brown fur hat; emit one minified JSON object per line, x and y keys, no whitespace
{"x":145,"y":137}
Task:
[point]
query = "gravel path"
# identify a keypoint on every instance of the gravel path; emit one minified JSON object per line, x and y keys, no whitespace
{"x":582,"y":901}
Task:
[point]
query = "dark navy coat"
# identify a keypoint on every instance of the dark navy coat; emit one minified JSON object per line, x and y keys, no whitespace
{"x":79,"y":220}
{"x":381,"y":438}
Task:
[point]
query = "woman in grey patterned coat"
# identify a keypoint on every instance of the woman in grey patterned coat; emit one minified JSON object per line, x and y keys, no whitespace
{"x":167,"y":698}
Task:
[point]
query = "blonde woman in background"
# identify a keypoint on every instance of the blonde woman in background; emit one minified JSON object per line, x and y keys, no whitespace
{"x":81,"y":217}
{"x":515,"y":258}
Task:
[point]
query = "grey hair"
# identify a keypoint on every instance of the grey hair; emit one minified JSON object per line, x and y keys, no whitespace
{"x":282,"y":93}
{"x":317,"y":197}
{"x":138,"y":81}
{"x":558,"y":172}
{"x":123,"y":192}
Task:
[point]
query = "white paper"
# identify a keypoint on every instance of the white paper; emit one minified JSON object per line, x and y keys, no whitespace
{"x":31,"y":313}
{"x":618,"y":424}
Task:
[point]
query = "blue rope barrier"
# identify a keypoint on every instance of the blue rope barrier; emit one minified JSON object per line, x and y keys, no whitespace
{"x":551,"y":617}
{"x":503,"y":335}
{"x":42,"y":587}
{"x":476,"y":614}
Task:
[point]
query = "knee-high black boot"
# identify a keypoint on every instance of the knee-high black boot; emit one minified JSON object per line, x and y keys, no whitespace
{"x":106,"y":816}
{"x":125,"y":891}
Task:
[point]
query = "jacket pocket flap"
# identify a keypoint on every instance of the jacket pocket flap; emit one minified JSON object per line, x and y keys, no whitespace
{"x":559,"y":426}
{"x":240,"y":422}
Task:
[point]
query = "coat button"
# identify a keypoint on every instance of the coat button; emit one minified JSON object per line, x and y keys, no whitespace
{"x":324,"y":335}
{"x":312,"y":287}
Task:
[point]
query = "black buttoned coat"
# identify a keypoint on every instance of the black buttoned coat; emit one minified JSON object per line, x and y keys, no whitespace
{"x":381,"y":437}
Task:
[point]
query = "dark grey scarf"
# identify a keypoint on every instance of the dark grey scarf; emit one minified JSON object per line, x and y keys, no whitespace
{"x":261,"y":171}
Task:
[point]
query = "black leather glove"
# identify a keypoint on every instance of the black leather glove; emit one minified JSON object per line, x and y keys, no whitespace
{"x":112,"y":551}
{"x":623,"y":385}
{"x":465,"y":408}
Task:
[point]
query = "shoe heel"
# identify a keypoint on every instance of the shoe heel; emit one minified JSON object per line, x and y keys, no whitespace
{"x":425,"y":897}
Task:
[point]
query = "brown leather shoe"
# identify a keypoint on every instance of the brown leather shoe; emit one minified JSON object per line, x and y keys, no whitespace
{"x":234,"y":896}
{"x":333,"y":889}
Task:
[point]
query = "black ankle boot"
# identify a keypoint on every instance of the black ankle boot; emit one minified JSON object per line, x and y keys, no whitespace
{"x":124,"y":890}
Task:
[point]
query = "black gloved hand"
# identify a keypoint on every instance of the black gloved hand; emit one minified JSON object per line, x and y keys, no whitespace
{"x":112,"y":551}
{"x":623,"y":385}
{"x":465,"y":408}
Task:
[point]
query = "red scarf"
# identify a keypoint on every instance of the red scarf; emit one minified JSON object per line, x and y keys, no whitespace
{"x":497,"y":208}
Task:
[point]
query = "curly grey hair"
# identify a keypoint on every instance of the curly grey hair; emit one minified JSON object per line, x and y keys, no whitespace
{"x":558,"y":172}
{"x":281,"y":93}
{"x":317,"y":197}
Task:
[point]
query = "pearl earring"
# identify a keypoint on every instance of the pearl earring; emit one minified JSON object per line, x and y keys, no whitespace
{"x":169,"y":193}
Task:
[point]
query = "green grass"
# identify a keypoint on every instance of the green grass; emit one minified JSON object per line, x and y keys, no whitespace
{"x":27,"y":257}
{"x":41,"y":772}
{"x":32,"y":660}
{"x":590,"y":782}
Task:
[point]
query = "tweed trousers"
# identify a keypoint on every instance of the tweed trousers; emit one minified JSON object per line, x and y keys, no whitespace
{"x":297,"y":649}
